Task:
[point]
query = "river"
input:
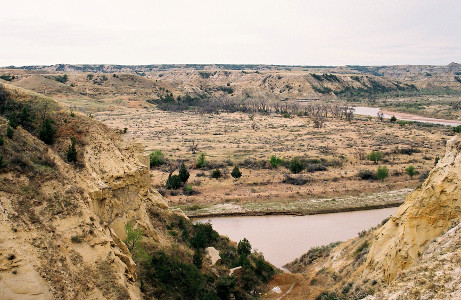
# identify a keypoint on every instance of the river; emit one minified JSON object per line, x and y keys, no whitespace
{"x":283,"y":238}
{"x":373,"y":111}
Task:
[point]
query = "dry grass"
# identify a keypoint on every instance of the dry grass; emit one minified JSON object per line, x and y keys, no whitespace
{"x":229,"y":139}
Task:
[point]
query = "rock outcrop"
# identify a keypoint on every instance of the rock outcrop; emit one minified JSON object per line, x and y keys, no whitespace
{"x":426,"y":214}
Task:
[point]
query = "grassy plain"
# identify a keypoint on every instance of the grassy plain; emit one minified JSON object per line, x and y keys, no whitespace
{"x":248,"y":141}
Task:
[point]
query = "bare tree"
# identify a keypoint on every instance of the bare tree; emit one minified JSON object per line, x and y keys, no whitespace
{"x":380,"y":116}
{"x":318,"y":121}
{"x":193,"y":147}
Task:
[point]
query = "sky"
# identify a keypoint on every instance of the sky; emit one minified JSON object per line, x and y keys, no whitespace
{"x":283,"y":32}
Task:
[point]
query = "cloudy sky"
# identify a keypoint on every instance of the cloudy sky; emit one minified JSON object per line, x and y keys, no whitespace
{"x":329,"y":32}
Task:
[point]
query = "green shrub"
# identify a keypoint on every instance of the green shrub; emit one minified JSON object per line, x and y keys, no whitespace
{"x":173,"y":182}
{"x":183,"y":173}
{"x":61,"y":78}
{"x":173,"y":278}
{"x":244,"y":247}
{"x":411,"y":171}
{"x":274,"y":161}
{"x":197,"y":259}
{"x":204,"y":235}
{"x":156,"y":158}
{"x":375,"y":156}
{"x":71,"y":153}
{"x":188,"y":190}
{"x":13,"y":120}
{"x":2,"y":164}
{"x":47,"y":132}
{"x":216,"y":174}
{"x":9,"y":132}
{"x":367,"y":175}
{"x":382,"y":172}
{"x":201,"y":162}
{"x":1,"y":140}
{"x":457,"y":129}
{"x":7,"y":77}
{"x":133,"y":237}
{"x":296,"y":166}
{"x":393,"y":119}
{"x":328,"y":296}
{"x":236,"y":173}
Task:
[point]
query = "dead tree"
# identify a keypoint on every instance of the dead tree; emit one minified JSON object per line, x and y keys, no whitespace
{"x":193,"y":148}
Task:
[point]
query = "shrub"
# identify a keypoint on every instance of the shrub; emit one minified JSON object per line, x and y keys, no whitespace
{"x":393,"y":119}
{"x":188,"y":190}
{"x":411,"y":171}
{"x":183,"y":173}
{"x":1,"y":140}
{"x":244,"y":247}
{"x":156,"y":158}
{"x":295,"y":180}
{"x":173,"y":182}
{"x":236,"y":173}
{"x":7,"y":77}
{"x":2,"y":164}
{"x":13,"y":120}
{"x":197,"y":258}
{"x":216,"y":174}
{"x":457,"y":129}
{"x":375,"y":156}
{"x":327,"y":296}
{"x":71,"y":153}
{"x":204,"y":235}
{"x":47,"y":132}
{"x":295,"y":166}
{"x":382,"y":172}
{"x":274,"y":161}
{"x":174,"y":278}
{"x":367,"y":175}
{"x":133,"y":237}
{"x":61,"y":79}
{"x":9,"y":132}
{"x":201,"y":162}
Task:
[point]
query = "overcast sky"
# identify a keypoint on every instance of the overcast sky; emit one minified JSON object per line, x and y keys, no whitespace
{"x":329,"y":32}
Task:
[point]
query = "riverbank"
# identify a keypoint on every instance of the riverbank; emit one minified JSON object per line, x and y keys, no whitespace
{"x":298,"y":207}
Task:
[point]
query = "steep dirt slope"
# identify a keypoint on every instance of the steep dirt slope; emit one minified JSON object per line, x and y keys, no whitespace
{"x":437,"y":275}
{"x":62,"y":224}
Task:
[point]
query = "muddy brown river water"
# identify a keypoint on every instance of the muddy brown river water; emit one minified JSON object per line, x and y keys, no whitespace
{"x":283,"y":238}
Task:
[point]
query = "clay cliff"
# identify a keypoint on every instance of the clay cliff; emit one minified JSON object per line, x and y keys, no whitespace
{"x":427,"y":212}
